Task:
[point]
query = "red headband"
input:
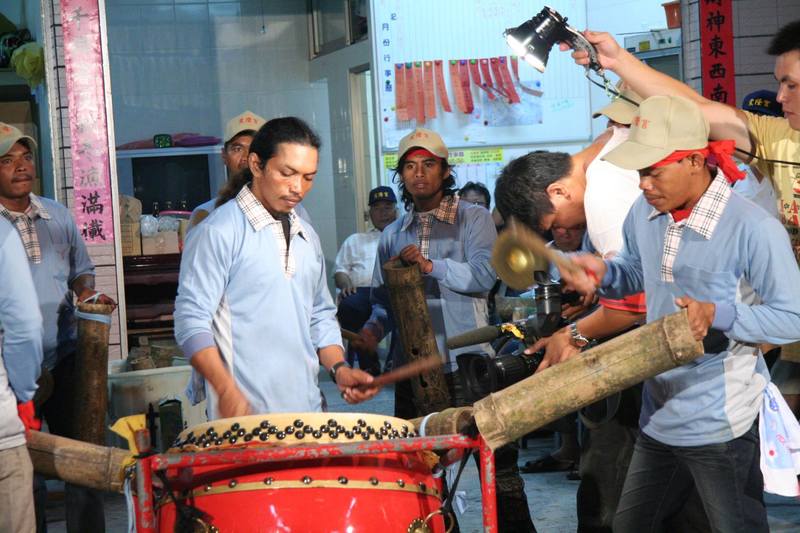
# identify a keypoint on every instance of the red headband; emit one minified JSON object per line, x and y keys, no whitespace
{"x":718,"y":152}
{"x":420,"y":151}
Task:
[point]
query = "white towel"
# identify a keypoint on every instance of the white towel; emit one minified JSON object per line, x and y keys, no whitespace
{"x":780,"y":445}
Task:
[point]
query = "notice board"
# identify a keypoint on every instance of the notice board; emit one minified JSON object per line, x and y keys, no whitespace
{"x":445,"y":65}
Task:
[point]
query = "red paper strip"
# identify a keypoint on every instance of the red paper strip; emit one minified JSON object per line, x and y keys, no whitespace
{"x":440,"y":87}
{"x":419,"y":92}
{"x":508,"y":83}
{"x":400,"y":92}
{"x":455,"y":82}
{"x":487,"y":78}
{"x":716,"y":51}
{"x":515,"y":67}
{"x":498,"y":78}
{"x":463,"y":74}
{"x":476,"y":78}
{"x":411,"y":92}
{"x":430,"y":98}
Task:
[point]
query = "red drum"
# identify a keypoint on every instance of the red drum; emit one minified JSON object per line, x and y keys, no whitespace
{"x":383,"y":492}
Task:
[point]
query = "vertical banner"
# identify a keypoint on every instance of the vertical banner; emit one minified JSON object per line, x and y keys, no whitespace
{"x":91,"y":180}
{"x":716,"y":54}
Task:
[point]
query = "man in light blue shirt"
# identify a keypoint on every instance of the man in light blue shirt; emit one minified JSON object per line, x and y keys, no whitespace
{"x":60,"y":267}
{"x":451,"y":242}
{"x":253,"y":311}
{"x":20,"y":363}
{"x":691,"y":242}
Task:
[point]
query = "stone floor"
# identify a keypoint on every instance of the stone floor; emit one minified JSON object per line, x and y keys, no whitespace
{"x":551,"y":496}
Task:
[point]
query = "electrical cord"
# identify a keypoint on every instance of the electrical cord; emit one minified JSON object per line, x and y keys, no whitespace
{"x":612,"y":92}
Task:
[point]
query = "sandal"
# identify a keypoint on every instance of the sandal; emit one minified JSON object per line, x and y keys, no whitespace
{"x":547,"y":463}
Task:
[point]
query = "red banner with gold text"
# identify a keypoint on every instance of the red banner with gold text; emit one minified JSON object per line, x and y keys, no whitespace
{"x":716,"y":53}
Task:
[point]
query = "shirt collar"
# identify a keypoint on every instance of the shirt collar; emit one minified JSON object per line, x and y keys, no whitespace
{"x":259,"y":217}
{"x":706,"y":214}
{"x":446,"y":212}
{"x":35,"y":209}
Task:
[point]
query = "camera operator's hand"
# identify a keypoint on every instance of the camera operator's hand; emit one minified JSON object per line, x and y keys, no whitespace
{"x":608,"y":49}
{"x":411,"y":255}
{"x":570,"y":312}
{"x":586,"y":279}
{"x":700,"y":314}
{"x":557,"y":349}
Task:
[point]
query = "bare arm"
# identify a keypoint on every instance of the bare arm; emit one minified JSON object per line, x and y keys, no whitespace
{"x":605,"y":322}
{"x":231,"y":400}
{"x":726,"y":121}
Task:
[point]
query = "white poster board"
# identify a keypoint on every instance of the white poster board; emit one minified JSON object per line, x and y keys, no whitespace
{"x":552,"y":107}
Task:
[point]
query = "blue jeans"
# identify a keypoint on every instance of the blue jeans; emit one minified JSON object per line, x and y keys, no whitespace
{"x":726,"y":476}
{"x":353,"y":312}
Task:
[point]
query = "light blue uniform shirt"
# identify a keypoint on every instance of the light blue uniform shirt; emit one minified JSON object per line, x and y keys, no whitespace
{"x":237,"y":291}
{"x":21,"y":334}
{"x":745,"y":266}
{"x":462,"y":275}
{"x":64,"y":258}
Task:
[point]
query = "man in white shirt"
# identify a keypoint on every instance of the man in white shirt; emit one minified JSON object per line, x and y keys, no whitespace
{"x":355,"y":263}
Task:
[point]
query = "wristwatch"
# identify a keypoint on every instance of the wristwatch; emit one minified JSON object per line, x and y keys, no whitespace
{"x":578,"y":340}
{"x":336,"y":367}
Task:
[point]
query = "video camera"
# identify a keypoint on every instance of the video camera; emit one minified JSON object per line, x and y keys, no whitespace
{"x":481,"y":374}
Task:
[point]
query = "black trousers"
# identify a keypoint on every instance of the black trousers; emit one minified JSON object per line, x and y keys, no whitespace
{"x":84,"y":507}
{"x":513,"y":514}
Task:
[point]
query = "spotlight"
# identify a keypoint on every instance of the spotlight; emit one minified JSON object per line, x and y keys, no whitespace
{"x":533,"y":39}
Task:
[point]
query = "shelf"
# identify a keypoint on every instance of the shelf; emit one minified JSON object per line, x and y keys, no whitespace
{"x":173,"y":151}
{"x":9,"y":77}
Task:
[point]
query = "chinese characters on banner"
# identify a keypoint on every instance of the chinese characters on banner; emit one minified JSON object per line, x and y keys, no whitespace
{"x":716,"y":54}
{"x":92,"y":203}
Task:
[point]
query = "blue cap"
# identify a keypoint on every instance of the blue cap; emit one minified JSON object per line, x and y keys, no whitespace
{"x":763,"y":102}
{"x":382,"y":194}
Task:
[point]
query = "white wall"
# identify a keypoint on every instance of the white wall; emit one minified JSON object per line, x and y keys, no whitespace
{"x":620,"y":17}
{"x":191,"y":65}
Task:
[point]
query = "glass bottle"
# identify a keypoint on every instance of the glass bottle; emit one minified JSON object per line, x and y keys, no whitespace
{"x":156,"y":209}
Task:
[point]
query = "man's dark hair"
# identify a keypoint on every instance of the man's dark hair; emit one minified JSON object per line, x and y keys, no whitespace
{"x":448,"y":185}
{"x":786,"y":40}
{"x":290,"y":130}
{"x":521,"y":189}
{"x":479,"y":188}
{"x":240,"y":134}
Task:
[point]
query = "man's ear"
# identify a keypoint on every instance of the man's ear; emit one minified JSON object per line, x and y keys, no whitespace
{"x":697,"y":160}
{"x":253,"y":162}
{"x":557,"y":189}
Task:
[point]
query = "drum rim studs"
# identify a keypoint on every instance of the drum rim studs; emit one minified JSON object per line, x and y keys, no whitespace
{"x":269,"y":480}
{"x":373,"y":480}
{"x":232,"y":483}
{"x":401,"y":483}
{"x":342,"y":480}
{"x":306,"y":480}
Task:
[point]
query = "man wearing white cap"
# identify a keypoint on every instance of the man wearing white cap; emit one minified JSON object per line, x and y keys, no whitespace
{"x":691,"y":242}
{"x":239,"y":134}
{"x":451,"y":242}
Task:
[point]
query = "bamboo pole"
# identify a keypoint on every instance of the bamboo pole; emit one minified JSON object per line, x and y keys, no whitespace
{"x":91,"y":383}
{"x":507,"y":415}
{"x":410,"y":312}
{"x":79,"y":463}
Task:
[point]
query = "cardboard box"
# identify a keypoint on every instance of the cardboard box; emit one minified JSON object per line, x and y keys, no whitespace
{"x":130,"y":209}
{"x":19,"y":115}
{"x":163,"y":242}
{"x":131,"y":238}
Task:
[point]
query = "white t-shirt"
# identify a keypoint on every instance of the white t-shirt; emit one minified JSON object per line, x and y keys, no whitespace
{"x":356,"y":257}
{"x":610,"y":192}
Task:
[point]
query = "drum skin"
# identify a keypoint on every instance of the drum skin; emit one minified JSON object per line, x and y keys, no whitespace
{"x":385,"y":492}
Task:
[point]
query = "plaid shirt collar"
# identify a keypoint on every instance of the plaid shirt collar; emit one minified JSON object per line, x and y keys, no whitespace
{"x":260,"y":218}
{"x":446,"y":212}
{"x":35,"y":210}
{"x":706,"y":214}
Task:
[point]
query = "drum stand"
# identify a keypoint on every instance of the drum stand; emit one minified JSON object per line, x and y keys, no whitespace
{"x":158,"y":464}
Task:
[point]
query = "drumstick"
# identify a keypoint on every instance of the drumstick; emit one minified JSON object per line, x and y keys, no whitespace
{"x":410,"y":370}
{"x":350,"y":335}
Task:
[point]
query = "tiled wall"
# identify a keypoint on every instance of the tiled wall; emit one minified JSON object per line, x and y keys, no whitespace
{"x":754,"y":23}
{"x":191,"y":65}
